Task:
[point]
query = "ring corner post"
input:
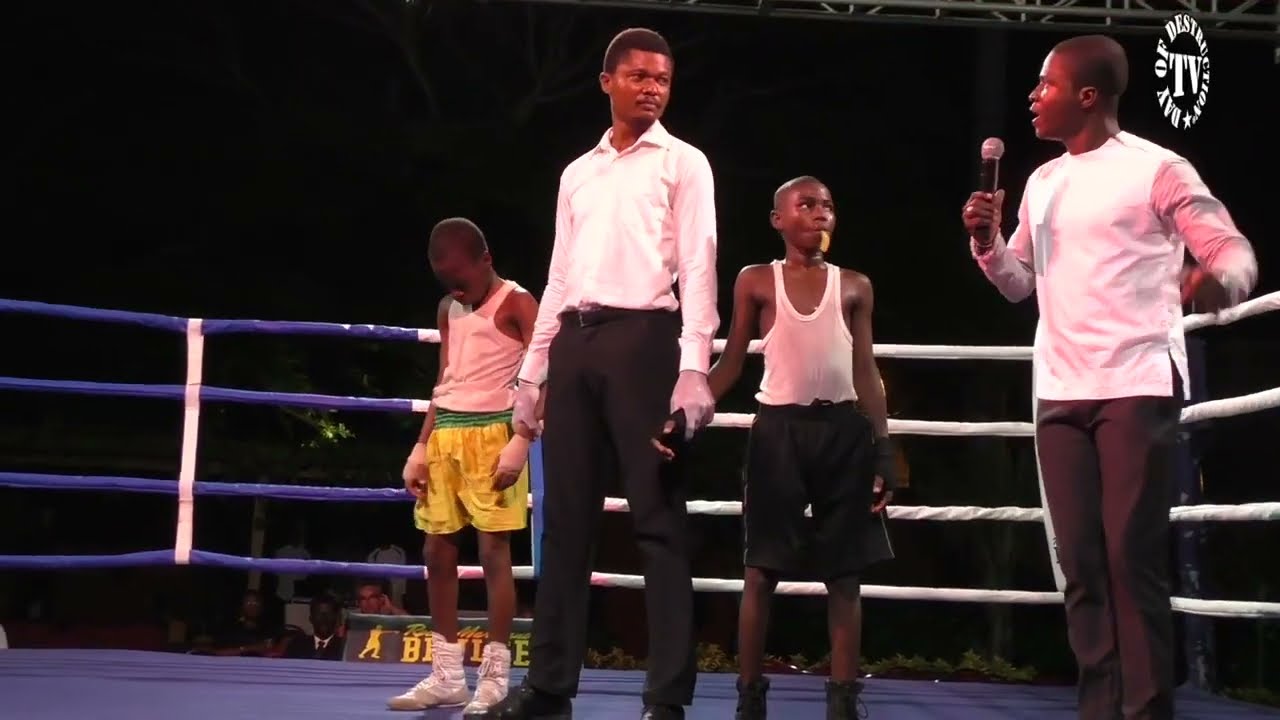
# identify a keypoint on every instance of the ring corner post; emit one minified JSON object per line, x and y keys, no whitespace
{"x":190,"y":439}
{"x":535,"y":523}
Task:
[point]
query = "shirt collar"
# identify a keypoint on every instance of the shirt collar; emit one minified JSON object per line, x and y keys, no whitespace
{"x":656,"y":135}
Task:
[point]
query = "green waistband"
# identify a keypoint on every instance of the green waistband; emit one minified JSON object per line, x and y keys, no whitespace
{"x":454,"y":419}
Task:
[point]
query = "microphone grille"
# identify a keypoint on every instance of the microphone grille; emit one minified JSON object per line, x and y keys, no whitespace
{"x":992,"y":148}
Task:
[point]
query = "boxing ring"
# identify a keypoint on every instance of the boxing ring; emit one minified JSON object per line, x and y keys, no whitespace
{"x":36,"y":684}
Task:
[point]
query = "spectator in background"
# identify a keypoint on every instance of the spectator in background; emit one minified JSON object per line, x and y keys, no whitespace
{"x":372,"y":599}
{"x":250,"y":635}
{"x":324,"y":643}
{"x":390,"y":554}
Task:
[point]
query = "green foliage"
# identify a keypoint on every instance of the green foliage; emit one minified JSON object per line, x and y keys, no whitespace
{"x":1257,"y":696}
{"x":713,"y":658}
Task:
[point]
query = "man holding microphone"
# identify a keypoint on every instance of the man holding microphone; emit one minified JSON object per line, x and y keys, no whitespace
{"x":1100,"y":238}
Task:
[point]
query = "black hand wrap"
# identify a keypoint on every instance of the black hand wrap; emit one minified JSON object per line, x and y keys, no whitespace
{"x":886,"y":463}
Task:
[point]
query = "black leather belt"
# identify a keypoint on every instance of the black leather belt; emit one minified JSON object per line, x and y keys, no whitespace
{"x":601,"y":315}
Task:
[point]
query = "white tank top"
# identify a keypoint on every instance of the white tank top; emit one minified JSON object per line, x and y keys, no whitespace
{"x":483,"y":361}
{"x":807,"y":357}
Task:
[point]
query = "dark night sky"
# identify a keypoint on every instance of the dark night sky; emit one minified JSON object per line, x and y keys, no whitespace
{"x":285,"y":160}
{"x":159,"y":155}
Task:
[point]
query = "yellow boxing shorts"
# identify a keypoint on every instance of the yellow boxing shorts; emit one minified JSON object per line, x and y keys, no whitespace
{"x":462,"y":453}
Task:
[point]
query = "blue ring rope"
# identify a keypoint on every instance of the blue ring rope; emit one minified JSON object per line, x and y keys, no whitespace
{"x":212,"y":327}
{"x":208,"y":393}
{"x":75,"y":312}
{"x":216,"y":394}
{"x":46,"y":481}
{"x":155,"y":558}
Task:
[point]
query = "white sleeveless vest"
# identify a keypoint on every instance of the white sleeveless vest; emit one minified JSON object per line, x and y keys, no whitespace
{"x":483,"y":361}
{"x":807,"y":357}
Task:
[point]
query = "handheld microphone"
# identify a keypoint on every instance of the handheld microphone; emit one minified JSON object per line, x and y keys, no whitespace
{"x":989,"y":180}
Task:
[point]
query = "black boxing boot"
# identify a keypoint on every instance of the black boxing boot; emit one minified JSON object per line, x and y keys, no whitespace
{"x":662,"y":712}
{"x":751,"y":699}
{"x":528,"y":703}
{"x":843,"y":701}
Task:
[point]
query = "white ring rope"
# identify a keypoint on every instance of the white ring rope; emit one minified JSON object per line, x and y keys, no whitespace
{"x":1251,"y":512}
{"x":1247,"y":512}
{"x":1211,"y":409}
{"x":1257,"y":306}
{"x":1193,"y":606}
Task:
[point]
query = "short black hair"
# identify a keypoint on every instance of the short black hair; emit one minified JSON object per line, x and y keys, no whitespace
{"x":641,"y":39}
{"x":788,"y":185}
{"x":326,"y":598}
{"x":457,"y":232}
{"x":1097,"y":61}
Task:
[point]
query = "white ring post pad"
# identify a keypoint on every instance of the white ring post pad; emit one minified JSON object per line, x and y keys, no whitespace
{"x":190,"y":441}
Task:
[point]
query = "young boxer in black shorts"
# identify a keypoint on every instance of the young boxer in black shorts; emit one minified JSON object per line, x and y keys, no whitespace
{"x":820,"y":439}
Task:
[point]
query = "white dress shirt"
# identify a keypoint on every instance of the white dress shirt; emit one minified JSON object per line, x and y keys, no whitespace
{"x":629,"y":225}
{"x":1100,"y":240}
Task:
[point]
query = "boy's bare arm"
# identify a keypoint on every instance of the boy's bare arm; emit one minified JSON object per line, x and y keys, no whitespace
{"x":869,"y":387}
{"x":442,"y":322}
{"x":742,"y":327}
{"x":415,"y":473}
{"x":866,"y":374}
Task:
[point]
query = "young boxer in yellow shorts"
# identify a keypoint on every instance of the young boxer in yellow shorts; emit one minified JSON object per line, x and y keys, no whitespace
{"x":469,"y":466}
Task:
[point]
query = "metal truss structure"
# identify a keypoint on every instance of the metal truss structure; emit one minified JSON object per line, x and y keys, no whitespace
{"x":1239,"y":19}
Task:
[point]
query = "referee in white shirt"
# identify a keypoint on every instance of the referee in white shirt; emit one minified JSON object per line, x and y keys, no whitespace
{"x":618,"y":353}
{"x":1100,"y":239}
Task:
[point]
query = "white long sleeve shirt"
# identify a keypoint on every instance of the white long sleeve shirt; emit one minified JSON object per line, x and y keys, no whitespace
{"x":1100,"y":239}
{"x":629,"y":226}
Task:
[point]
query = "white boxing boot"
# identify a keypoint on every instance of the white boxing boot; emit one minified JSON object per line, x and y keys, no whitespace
{"x":446,"y":686}
{"x":493,"y":681}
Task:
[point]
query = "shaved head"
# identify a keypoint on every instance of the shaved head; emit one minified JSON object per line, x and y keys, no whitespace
{"x":790,"y":185}
{"x":1099,"y":62}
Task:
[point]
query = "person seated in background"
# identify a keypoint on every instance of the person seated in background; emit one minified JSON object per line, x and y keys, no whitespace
{"x":324,"y":642}
{"x":372,"y":599}
{"x":251,"y":635}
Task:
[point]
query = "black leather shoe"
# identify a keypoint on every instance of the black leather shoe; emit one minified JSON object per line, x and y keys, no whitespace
{"x":527,"y":703}
{"x":844,"y":701}
{"x":751,"y":700}
{"x":662,"y":712}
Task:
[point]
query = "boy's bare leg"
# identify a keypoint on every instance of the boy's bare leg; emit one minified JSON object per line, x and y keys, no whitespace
{"x":495,"y":558}
{"x":753,"y":627}
{"x":844,"y":622}
{"x":495,"y":669}
{"x":442,"y":584}
{"x":446,"y":685}
{"x":753,"y":622}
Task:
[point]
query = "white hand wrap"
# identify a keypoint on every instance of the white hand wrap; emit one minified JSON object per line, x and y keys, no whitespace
{"x":417,"y":458}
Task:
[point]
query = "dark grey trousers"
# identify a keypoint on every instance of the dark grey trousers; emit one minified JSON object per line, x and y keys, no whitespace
{"x":1109,"y":468}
